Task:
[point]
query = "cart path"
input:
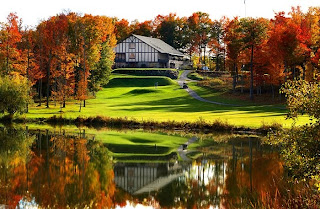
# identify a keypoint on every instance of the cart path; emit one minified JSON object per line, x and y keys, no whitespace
{"x":182,"y":152}
{"x":184,"y":79}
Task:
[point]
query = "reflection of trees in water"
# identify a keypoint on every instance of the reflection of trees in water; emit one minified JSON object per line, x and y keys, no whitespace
{"x":14,"y":154}
{"x":225,"y":182}
{"x":57,"y":171}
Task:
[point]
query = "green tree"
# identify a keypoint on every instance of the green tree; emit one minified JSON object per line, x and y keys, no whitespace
{"x":101,"y":74}
{"x":300,"y":145}
{"x":14,"y":95}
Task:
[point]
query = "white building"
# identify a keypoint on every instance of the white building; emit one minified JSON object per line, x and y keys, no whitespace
{"x":142,"y":51}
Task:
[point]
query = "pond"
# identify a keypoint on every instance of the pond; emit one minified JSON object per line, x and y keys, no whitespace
{"x":67,"y":168}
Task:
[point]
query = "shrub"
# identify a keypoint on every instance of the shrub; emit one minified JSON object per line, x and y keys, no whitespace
{"x":14,"y":95}
{"x":212,"y":83}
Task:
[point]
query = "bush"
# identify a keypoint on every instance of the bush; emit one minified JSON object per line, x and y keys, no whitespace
{"x":212,"y":83}
{"x":14,"y":95}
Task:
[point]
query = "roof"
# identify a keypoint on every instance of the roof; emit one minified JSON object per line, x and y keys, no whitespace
{"x":159,"y":45}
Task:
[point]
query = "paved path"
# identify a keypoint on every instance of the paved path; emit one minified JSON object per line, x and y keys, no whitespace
{"x":184,"y":79}
{"x":183,"y":153}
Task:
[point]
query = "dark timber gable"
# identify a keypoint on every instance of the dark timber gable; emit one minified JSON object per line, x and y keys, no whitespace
{"x":141,"y":51}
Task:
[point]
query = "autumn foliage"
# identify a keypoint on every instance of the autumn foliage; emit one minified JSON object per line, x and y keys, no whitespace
{"x":70,"y":55}
{"x":257,"y":52}
{"x":59,"y":55}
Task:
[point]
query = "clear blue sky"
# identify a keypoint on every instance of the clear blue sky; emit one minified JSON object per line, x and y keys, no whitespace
{"x":32,"y":11}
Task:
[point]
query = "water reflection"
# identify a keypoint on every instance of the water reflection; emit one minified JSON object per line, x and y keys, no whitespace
{"x":56,"y":169}
{"x":243,"y":176}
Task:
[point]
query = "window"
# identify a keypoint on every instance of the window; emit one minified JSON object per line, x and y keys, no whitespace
{"x":132,"y":45}
{"x":120,"y":57}
{"x":132,"y":56}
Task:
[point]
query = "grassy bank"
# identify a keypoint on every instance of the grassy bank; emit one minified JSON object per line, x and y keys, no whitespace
{"x":137,"y":98}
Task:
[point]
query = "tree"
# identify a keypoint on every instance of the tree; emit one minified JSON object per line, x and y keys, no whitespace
{"x":199,"y":29}
{"x":300,"y":145}
{"x":253,"y":31}
{"x":14,"y":95}
{"x":234,"y":45}
{"x":101,"y":74}
{"x":144,"y":29}
{"x":122,"y":29}
{"x":170,"y":29}
{"x":10,"y":36}
{"x":216,"y":44}
{"x":27,"y":46}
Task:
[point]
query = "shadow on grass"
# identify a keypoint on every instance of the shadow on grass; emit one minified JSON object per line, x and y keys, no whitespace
{"x":140,"y":140}
{"x":186,"y":104}
{"x":141,"y":91}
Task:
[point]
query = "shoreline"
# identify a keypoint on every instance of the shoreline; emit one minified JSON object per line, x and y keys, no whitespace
{"x":97,"y":122}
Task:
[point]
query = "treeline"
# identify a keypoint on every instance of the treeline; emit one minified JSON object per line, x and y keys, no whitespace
{"x":256,"y":51}
{"x":70,"y":55}
{"x":64,"y":56}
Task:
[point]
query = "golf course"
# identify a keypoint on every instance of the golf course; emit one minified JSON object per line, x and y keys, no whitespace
{"x":160,"y":98}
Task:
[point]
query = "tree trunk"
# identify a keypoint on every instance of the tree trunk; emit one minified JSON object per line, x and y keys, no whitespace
{"x":48,"y":80}
{"x":27,"y":74}
{"x":234,"y":78}
{"x":279,"y":91}
{"x":251,"y":73}
{"x":55,"y":89}
{"x":40,"y":92}
{"x":217,"y":62}
{"x":7,"y":58}
{"x":84,"y":71}
{"x":285,"y":73}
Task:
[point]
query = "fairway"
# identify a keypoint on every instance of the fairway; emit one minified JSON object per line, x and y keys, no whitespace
{"x":138,"y":98}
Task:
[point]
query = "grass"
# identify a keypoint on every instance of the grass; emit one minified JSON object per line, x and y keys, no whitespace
{"x":226,"y":97}
{"x":137,"y":98}
{"x":195,"y":76}
{"x":144,"y":69}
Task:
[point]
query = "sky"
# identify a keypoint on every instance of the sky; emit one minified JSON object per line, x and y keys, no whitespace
{"x":33,"y":11}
